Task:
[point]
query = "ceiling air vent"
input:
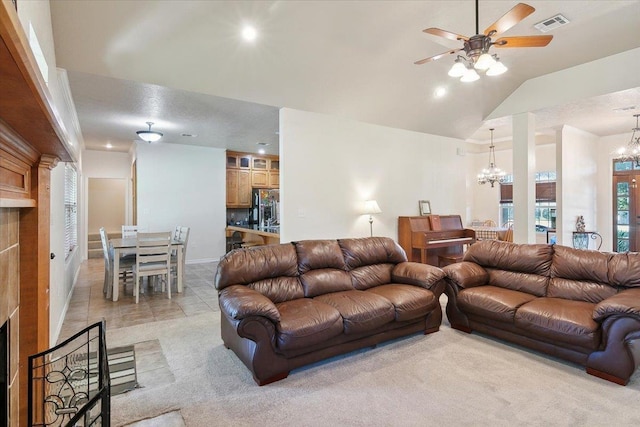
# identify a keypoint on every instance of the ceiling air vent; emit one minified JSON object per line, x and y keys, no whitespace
{"x":551,"y":23}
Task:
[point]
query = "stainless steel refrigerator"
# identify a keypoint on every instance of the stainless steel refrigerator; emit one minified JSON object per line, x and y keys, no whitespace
{"x":265,"y":207}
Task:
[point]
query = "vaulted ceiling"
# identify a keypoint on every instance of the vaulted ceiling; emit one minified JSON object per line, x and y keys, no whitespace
{"x":185,"y":66}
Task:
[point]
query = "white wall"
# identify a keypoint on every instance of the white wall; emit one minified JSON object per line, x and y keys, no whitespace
{"x":330,"y":165}
{"x":184,"y":185}
{"x":577,"y":182}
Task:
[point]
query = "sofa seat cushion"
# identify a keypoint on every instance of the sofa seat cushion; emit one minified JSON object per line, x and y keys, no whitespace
{"x":361,"y":311}
{"x":493,"y":302}
{"x":562,"y":320}
{"x":410,"y":302}
{"x":305,"y":322}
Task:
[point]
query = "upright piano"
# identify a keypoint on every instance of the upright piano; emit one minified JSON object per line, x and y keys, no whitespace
{"x":425,"y":238}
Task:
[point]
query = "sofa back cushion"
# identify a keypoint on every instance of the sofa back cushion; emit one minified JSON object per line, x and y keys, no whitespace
{"x":580,"y":275}
{"x":322,"y":267}
{"x":533,"y":284}
{"x":523,"y":258}
{"x":370,"y":260}
{"x":271,"y":270}
{"x":524,"y":268}
{"x":624,"y":270}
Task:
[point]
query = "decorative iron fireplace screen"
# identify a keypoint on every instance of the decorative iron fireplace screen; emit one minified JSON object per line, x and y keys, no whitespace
{"x":69,"y":384}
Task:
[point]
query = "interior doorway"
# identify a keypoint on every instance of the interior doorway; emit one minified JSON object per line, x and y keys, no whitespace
{"x":626,"y":207}
{"x":106,"y":205}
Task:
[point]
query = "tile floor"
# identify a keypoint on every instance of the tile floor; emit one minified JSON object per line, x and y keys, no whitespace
{"x":88,"y":304}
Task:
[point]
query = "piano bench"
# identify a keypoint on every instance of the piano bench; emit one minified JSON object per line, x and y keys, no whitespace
{"x":444,"y":260}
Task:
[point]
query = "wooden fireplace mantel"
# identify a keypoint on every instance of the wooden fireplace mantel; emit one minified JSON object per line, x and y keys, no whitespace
{"x":32,"y":140}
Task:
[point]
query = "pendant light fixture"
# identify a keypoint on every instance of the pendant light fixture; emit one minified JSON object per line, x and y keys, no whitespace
{"x":491,"y":174}
{"x":631,"y":153}
{"x":149,"y":135}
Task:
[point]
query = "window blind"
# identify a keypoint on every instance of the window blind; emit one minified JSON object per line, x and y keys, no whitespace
{"x":545,"y":192}
{"x":70,"y":209}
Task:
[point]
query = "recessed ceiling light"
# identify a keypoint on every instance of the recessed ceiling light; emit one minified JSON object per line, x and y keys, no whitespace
{"x":109,"y":146}
{"x":249,"y":33}
{"x":264,"y":144}
{"x":440,"y":92}
{"x":190,"y":135}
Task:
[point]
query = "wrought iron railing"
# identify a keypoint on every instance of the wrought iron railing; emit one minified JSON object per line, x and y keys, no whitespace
{"x":69,"y":384}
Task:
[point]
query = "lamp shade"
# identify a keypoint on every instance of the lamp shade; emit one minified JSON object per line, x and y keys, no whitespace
{"x":484,"y":61}
{"x":149,"y":135}
{"x":371,"y":207}
{"x":470,"y":75}
{"x":458,"y":69}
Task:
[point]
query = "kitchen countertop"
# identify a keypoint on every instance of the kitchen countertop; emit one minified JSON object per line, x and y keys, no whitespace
{"x":271,"y":231}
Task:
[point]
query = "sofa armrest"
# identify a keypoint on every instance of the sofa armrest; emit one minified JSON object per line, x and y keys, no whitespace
{"x":626,"y":302}
{"x":239,"y":302}
{"x":414,"y":273}
{"x":467,"y":274}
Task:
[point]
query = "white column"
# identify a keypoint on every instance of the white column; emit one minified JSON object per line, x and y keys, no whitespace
{"x":524,"y":185}
{"x":560,"y":238}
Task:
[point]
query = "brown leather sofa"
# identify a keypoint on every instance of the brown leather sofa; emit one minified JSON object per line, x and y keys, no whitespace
{"x":579,"y":305}
{"x":285,"y":306}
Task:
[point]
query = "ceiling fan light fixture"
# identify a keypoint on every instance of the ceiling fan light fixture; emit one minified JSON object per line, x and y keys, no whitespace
{"x":458,"y":69}
{"x":484,"y":62}
{"x":470,"y":75}
{"x":497,"y":68}
{"x":149,"y":135}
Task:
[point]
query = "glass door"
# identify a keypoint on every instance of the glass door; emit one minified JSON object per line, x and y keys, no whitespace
{"x":626,"y":213}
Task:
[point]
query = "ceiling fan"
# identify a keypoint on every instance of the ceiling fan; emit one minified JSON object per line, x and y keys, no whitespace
{"x":477,"y":47}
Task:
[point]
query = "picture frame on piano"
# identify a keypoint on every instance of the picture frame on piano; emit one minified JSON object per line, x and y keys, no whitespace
{"x":425,"y":207}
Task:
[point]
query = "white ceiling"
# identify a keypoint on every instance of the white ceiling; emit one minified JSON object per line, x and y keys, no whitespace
{"x":184,"y":66}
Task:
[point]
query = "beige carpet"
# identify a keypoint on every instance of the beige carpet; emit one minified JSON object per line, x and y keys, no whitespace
{"x":447,"y":378}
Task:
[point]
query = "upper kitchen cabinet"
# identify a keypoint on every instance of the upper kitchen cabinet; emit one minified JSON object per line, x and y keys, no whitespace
{"x":238,"y":160}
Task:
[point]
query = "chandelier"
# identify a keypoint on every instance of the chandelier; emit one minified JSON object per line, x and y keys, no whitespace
{"x":149,"y":135}
{"x":492,"y":174}
{"x":631,"y":153}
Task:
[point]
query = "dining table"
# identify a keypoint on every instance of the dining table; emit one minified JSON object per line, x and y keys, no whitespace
{"x":128,"y":246}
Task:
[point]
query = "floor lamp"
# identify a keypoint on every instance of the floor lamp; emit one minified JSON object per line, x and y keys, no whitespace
{"x":371,"y":207}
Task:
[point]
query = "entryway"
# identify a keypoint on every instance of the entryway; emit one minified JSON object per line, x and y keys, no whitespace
{"x":626,"y":207}
{"x":106,"y":200}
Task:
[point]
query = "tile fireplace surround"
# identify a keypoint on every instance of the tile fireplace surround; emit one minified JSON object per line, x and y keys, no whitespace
{"x":9,"y":307}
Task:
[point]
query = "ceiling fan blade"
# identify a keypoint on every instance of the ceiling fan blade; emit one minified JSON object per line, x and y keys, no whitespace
{"x":433,"y":58}
{"x":509,"y":19}
{"x":523,"y":41}
{"x":446,"y":34}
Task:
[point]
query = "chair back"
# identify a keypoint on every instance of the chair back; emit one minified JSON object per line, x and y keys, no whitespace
{"x":181,"y":234}
{"x":129,"y":231}
{"x":105,"y":248}
{"x":153,"y":249}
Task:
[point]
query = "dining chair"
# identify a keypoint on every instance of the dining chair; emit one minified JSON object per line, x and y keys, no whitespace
{"x":489,"y":223}
{"x":125,"y":265}
{"x":153,"y":258}
{"x":129,"y":231}
{"x":180,"y":234}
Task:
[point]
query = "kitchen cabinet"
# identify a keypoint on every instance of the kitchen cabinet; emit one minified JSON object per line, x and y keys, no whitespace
{"x":238,"y":160}
{"x":246,"y":171}
{"x":238,"y":188}
{"x":274,"y":179}
{"x":259,"y":178}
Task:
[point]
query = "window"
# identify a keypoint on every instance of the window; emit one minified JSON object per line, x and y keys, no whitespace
{"x":70,"y":209}
{"x":545,"y":210}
